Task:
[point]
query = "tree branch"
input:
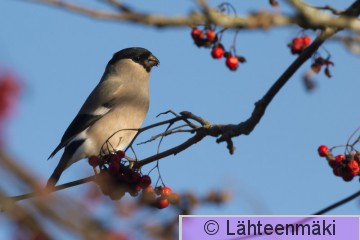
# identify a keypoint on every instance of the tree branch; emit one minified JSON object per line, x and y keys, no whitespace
{"x":337,"y":204}
{"x":308,"y":17}
{"x":56,"y":188}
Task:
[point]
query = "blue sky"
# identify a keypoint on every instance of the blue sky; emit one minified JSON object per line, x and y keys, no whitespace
{"x":61,"y":56}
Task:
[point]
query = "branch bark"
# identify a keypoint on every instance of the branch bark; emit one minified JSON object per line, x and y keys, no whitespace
{"x":306,"y":17}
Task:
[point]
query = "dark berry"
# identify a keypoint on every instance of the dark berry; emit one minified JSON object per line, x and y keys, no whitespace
{"x":114,"y":167}
{"x":120,"y":154}
{"x":94,"y":161}
{"x":145,"y":181}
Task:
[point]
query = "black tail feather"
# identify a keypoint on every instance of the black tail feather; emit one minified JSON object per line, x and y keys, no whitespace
{"x":64,"y":162}
{"x":55,"y":176}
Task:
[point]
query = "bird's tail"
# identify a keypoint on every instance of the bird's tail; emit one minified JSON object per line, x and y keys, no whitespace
{"x":54,"y":178}
{"x":65,"y":161}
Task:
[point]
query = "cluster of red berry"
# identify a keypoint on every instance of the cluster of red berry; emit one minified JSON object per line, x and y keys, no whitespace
{"x":319,"y":62}
{"x":116,"y":178}
{"x":208,"y":38}
{"x":345,"y":166}
{"x":298,"y":44}
{"x":159,"y":197}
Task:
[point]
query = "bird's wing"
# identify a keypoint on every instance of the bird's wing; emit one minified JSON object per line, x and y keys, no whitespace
{"x":98,"y":104}
{"x":79,"y":124}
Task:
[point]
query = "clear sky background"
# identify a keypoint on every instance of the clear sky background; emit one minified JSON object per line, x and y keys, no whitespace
{"x":60,"y":57}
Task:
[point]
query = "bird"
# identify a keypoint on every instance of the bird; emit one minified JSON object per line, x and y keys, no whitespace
{"x":113,"y":111}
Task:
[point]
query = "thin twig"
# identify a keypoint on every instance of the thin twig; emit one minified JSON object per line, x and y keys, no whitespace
{"x":177,"y":115}
{"x":57,"y":188}
{"x":177,"y":129}
{"x":172,"y":120}
{"x":172,"y":151}
{"x":337,"y":204}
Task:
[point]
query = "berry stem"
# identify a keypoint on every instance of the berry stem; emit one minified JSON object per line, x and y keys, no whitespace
{"x":351,"y":136}
{"x":233,"y":44}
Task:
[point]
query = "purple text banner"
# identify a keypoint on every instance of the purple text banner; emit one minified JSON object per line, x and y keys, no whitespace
{"x":269,"y":227}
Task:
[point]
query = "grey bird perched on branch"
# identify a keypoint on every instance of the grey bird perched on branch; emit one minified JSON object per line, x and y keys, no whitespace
{"x":112,"y":112}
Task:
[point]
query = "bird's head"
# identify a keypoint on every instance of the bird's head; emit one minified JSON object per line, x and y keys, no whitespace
{"x":139,"y":55}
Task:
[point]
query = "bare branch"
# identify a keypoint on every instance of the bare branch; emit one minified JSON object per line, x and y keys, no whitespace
{"x":337,"y":204}
{"x":309,"y":17}
{"x":56,"y":188}
{"x":313,"y":18}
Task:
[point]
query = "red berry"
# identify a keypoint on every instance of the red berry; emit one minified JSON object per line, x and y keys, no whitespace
{"x":166,"y":191}
{"x":297,"y":41}
{"x":211,"y":35}
{"x":296,"y":48}
{"x":297,"y":45}
{"x":232,"y":62}
{"x":113,"y":158}
{"x":340,"y":157}
{"x":306,"y":40}
{"x":335,"y":162}
{"x":114,"y":167}
{"x":217,"y":52}
{"x":145,"y":181}
{"x":196,"y":33}
{"x":162,"y":202}
{"x":353,"y":167}
{"x":120,"y":154}
{"x":134,"y":177}
{"x":94,"y":161}
{"x":323,"y":150}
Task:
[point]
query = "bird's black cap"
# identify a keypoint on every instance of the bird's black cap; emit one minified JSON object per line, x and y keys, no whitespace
{"x":139,"y":55}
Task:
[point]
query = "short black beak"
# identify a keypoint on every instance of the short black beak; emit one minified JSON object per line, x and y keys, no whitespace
{"x":153,"y":60}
